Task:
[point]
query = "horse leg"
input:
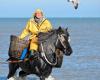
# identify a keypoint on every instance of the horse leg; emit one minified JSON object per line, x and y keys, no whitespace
{"x":12,"y":70}
{"x":45,"y":75}
{"x":42,"y":78}
{"x":22,"y":75}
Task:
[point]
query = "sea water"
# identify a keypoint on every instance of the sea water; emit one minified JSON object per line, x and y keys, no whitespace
{"x":83,"y":64}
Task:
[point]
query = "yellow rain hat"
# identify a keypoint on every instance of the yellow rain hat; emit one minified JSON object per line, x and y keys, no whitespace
{"x":38,"y":11}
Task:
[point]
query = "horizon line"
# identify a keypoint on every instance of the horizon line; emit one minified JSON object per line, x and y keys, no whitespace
{"x":50,"y":17}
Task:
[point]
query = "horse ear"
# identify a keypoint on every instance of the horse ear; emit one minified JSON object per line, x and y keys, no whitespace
{"x":59,"y":29}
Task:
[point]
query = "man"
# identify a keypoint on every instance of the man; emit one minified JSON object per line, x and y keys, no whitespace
{"x":35,"y":25}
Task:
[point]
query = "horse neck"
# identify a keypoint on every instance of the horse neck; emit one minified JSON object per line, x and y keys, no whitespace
{"x":50,"y":36}
{"x":53,"y":39}
{"x":48,"y":42}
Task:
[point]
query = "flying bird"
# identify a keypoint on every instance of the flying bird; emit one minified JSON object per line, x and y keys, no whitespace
{"x":74,"y":2}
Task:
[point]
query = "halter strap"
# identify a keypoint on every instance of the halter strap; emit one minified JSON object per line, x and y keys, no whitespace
{"x":60,"y":38}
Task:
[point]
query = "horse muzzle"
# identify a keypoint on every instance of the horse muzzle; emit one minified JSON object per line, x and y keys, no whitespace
{"x":68,"y":51}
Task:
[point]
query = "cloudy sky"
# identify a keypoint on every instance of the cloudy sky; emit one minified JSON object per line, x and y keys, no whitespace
{"x":51,"y":8}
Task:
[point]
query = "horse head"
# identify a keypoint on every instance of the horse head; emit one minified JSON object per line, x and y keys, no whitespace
{"x":63,"y":42}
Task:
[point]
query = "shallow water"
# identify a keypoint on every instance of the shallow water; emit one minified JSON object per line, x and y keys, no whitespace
{"x":83,"y":64}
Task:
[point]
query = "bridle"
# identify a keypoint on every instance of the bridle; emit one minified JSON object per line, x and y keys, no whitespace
{"x":62,"y":39}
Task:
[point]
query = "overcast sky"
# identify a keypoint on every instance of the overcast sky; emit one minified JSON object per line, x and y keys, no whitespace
{"x":51,"y":8}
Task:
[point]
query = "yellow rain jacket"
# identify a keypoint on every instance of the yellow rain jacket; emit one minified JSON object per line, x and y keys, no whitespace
{"x":33,"y":29}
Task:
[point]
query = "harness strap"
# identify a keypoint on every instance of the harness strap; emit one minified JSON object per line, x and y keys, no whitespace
{"x":18,"y":61}
{"x":44,"y":56}
{"x":61,"y":40}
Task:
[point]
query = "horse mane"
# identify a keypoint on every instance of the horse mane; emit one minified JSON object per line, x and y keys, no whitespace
{"x":45,"y":36}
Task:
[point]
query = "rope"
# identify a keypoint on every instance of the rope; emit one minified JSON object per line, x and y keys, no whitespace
{"x":43,"y":55}
{"x":14,"y":61}
{"x":18,"y":61}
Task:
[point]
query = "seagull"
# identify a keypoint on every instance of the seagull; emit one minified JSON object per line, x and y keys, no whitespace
{"x":74,"y":2}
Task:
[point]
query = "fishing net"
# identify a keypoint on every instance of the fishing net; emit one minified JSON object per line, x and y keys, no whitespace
{"x":16,"y":46}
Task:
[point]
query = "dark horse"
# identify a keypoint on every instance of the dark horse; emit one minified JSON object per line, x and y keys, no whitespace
{"x":56,"y":42}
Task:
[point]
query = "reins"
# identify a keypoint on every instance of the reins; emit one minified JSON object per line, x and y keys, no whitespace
{"x":13,"y":61}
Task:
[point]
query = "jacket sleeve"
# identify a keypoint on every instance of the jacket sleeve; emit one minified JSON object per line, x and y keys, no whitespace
{"x":25,"y":32}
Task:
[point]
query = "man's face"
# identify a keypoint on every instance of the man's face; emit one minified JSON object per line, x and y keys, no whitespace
{"x":38,"y":15}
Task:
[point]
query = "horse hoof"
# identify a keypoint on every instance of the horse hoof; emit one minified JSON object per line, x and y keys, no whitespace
{"x":22,"y":78}
{"x":12,"y":78}
{"x":50,"y":78}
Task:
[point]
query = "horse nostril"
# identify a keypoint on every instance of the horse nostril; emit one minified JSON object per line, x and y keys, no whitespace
{"x":69,"y":53}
